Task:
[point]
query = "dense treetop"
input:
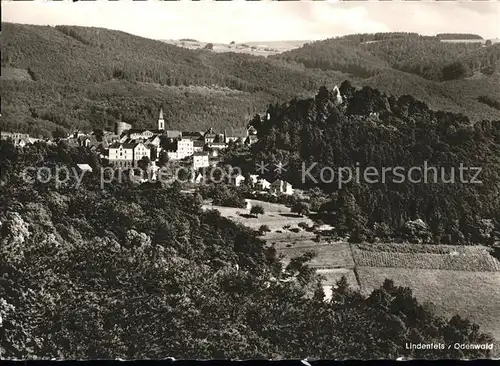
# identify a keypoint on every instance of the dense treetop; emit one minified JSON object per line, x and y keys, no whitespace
{"x":372,"y":129}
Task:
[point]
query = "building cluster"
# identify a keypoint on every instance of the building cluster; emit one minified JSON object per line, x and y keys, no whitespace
{"x":19,"y":139}
{"x":129,"y":145}
{"x":126,"y":146}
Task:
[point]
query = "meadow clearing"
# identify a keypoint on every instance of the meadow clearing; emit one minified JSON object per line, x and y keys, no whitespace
{"x":252,"y":48}
{"x":333,"y":255}
{"x":472,"y":294}
{"x":275,"y":216}
{"x":331,"y":276}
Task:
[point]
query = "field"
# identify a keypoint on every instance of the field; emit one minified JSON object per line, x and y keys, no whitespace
{"x":471,"y":258}
{"x":252,"y":48}
{"x":331,"y":276}
{"x":329,"y":255}
{"x":475,"y":295}
{"x":275,"y":217}
{"x":455,"y":279}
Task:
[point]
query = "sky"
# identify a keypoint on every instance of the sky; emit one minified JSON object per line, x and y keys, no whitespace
{"x":256,"y":21}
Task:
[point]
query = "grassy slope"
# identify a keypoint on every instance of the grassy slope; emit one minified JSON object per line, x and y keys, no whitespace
{"x":452,"y":283}
{"x":475,"y":295}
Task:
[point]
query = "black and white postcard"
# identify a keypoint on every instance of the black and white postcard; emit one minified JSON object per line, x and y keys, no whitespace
{"x":197,"y":180}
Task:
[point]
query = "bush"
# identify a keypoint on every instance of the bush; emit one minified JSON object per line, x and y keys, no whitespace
{"x":263,"y":229}
{"x":257,"y":210}
{"x":303,"y":225}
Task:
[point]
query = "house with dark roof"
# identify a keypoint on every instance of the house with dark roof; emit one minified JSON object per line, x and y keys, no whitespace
{"x":281,"y":187}
{"x":192,"y":135}
{"x":173,"y":134}
{"x":198,"y":145}
{"x":209,"y":136}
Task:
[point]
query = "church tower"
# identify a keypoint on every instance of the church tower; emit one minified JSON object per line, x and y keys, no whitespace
{"x":161,"y":121}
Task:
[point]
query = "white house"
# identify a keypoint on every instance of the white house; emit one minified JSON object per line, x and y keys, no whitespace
{"x":281,"y":187}
{"x":121,"y":154}
{"x":84,"y":167}
{"x":172,"y":155}
{"x":237,"y":180}
{"x":209,"y":136}
{"x":185,"y":148}
{"x":127,"y":154}
{"x":262,"y":184}
{"x":140,"y":151}
{"x":200,"y":160}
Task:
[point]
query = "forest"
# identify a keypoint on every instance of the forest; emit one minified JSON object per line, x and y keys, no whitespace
{"x":98,"y":74}
{"x":372,"y":129}
{"x":142,"y":272}
{"x":88,"y":78}
{"x":365,"y":55}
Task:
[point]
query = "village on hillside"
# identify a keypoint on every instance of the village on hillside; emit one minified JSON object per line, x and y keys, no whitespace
{"x":127,"y":147}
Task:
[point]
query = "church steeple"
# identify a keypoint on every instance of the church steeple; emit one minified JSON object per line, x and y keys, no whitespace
{"x":161,"y":121}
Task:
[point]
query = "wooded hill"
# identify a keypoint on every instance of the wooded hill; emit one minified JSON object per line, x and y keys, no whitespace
{"x":85,"y":78}
{"x":144,"y":272}
{"x":429,"y":57}
{"x":371,"y":129}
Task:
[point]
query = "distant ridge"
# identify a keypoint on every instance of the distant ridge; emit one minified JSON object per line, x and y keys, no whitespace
{"x":85,"y":78}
